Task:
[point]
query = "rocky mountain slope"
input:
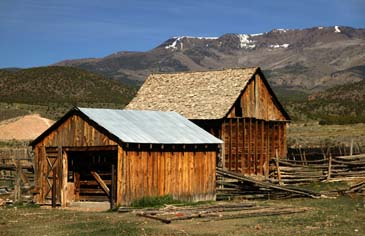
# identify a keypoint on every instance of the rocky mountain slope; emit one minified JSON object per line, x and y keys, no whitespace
{"x":304,"y":59}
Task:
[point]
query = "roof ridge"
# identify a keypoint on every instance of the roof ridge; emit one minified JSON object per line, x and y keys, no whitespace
{"x":203,"y":71}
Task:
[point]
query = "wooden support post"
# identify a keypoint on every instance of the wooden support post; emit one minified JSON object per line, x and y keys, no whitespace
{"x":329,"y":167}
{"x":243,"y":152}
{"x":114,"y":182}
{"x":277,"y":166}
{"x":256,"y":147}
{"x":249,"y":156}
{"x":63,"y":187}
{"x":230,"y":146}
{"x":237,"y":132}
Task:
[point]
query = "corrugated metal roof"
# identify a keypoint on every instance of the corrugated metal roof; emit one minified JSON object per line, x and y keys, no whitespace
{"x":155,"y":127}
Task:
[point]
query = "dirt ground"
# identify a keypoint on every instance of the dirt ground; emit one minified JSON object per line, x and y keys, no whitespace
{"x":340,"y":216}
{"x":24,"y":128}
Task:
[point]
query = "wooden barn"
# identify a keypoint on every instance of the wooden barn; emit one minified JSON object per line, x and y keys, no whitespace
{"x":120,"y":156}
{"x":236,"y":105}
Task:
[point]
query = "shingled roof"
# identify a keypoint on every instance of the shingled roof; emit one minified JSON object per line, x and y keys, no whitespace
{"x":195,"y":95}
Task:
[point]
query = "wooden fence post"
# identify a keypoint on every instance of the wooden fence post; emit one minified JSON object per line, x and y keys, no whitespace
{"x":329,"y":167}
{"x":351,"y":146}
{"x":17,"y":190}
{"x":113,"y":188}
{"x":277,"y":166}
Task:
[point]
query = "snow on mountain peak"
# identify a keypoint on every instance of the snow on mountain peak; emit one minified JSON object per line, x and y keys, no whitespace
{"x":285,"y":45}
{"x":337,"y":29}
{"x":245,"y":42}
{"x":178,"y":39}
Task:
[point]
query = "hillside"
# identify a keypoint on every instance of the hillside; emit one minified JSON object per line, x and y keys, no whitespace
{"x":53,"y":90}
{"x":342,"y":104}
{"x":312,"y":59}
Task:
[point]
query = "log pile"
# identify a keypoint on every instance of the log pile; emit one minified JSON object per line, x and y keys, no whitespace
{"x":332,"y":168}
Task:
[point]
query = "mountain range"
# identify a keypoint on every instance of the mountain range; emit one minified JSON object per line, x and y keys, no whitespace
{"x":307,"y":60}
{"x":318,"y":73}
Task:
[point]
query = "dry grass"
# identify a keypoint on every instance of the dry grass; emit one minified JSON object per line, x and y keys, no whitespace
{"x":313,"y":134}
{"x":341,"y":216}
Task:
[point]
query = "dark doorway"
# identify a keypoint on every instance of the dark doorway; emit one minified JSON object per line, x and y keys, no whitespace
{"x":91,"y":174}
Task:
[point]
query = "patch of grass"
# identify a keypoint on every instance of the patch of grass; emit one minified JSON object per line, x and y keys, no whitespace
{"x":157,"y":201}
{"x":340,"y":216}
{"x":22,"y":205}
{"x":322,"y":186}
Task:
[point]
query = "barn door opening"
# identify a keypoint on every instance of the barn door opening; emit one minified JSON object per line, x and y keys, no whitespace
{"x":90,"y":175}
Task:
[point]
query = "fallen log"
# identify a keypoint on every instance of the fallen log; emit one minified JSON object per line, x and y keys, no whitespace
{"x":265,"y":212}
{"x":166,"y":221}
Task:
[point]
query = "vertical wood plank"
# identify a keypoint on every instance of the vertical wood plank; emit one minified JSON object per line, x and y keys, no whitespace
{"x":64,"y":190}
{"x":120,"y":198}
{"x":249,"y":147}
{"x":230,"y":145}
{"x":237,"y":142}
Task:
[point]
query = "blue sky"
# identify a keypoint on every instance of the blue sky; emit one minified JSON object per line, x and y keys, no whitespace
{"x":42,"y":32}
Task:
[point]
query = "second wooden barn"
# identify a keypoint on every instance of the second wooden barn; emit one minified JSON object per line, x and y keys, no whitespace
{"x":121,"y":156}
{"x":236,"y":105}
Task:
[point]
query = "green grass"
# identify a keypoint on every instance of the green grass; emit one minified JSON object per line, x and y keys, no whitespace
{"x":341,"y":216}
{"x":157,"y":201}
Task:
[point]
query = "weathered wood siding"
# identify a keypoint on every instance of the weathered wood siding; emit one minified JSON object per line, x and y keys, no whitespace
{"x":253,"y":131}
{"x":257,"y":102}
{"x":185,"y":175}
{"x":74,"y":132}
{"x":249,"y":144}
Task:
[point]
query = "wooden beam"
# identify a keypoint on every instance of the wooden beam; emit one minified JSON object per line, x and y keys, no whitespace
{"x":262,"y":156}
{"x":237,"y":146}
{"x":230,"y":146}
{"x":63,"y":187}
{"x":243,"y":157}
{"x":256,"y":146}
{"x":114,"y":182}
{"x":249,"y":156}
{"x":100,"y":182}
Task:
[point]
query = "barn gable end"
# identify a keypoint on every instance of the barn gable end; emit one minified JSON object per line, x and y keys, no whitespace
{"x":258,"y":101}
{"x":235,"y":105}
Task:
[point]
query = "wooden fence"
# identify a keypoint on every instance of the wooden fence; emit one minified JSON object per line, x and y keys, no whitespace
{"x":16,"y":173}
{"x":305,"y":171}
